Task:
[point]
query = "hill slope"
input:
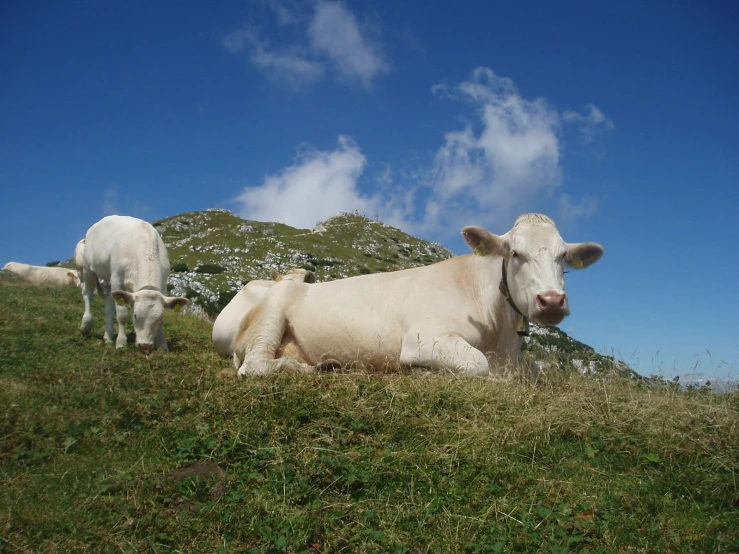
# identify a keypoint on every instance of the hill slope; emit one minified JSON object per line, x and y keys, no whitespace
{"x":245,"y":250}
{"x":214,"y":253}
{"x":105,"y":450}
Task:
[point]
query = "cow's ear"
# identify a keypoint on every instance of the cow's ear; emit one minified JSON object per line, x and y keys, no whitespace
{"x":483,"y":242}
{"x":123,"y":297}
{"x":175,"y":302}
{"x":275,"y":275}
{"x":582,"y":254}
{"x":310,"y":277}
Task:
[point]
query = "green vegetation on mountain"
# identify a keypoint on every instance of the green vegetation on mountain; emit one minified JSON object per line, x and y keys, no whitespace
{"x":345,"y":245}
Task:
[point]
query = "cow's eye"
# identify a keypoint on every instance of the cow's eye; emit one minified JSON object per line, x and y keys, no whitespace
{"x":514,"y":254}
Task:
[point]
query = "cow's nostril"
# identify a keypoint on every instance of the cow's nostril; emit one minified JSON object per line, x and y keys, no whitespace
{"x":551,"y":301}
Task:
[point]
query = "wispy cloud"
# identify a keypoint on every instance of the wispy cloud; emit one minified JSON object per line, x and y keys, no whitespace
{"x":328,"y":41}
{"x":289,"y":66}
{"x":592,"y":124}
{"x":506,"y":161}
{"x":567,"y":210}
{"x":110,"y":202}
{"x":114,"y":204}
{"x":335,"y":33}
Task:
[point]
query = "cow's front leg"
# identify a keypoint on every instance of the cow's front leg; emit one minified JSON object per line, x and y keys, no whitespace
{"x":121,"y":313}
{"x":443,"y":352}
{"x":109,"y":314}
{"x":259,"y":336}
{"x":264,"y":367}
{"x":159,"y":341}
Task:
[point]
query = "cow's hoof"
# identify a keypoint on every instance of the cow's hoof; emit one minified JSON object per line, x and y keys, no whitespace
{"x":292,"y":365}
{"x":86,"y":326}
{"x":255,"y":367}
{"x":121,"y":343}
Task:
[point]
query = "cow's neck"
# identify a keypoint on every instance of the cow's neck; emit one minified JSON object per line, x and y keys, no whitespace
{"x":523,"y":322}
{"x":148,"y":287}
{"x":148,"y":276}
{"x":500,"y":317}
{"x":148,"y":269}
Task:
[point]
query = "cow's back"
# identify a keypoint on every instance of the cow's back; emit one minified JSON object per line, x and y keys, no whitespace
{"x":127,"y":251}
{"x":17,"y":268}
{"x":367,"y":317}
{"x":53,"y":276}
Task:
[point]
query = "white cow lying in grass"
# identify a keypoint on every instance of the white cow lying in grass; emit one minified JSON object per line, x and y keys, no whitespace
{"x":126,"y":258}
{"x":464,"y":313}
{"x":41,"y":275}
{"x":227,"y":322}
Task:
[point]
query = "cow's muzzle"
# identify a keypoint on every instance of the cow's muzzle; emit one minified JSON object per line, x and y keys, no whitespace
{"x":551,"y":307}
{"x":145,"y":346}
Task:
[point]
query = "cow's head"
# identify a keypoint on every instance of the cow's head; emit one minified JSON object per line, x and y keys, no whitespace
{"x":148,"y":313}
{"x":534,"y":258}
{"x":74,"y":278}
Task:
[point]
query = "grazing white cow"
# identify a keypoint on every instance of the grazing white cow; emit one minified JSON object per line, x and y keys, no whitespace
{"x":227,"y":322}
{"x":41,"y":275}
{"x":126,"y":259}
{"x":464,"y":313}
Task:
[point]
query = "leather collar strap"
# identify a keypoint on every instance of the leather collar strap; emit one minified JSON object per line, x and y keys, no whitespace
{"x":523,"y":324}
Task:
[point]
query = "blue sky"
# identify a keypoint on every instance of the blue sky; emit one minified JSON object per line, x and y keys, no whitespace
{"x":618,"y":119}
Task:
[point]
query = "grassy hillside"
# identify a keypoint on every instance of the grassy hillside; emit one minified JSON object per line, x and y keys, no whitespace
{"x":115,"y":451}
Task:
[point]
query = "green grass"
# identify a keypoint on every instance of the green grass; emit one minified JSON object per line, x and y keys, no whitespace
{"x":340,"y":462}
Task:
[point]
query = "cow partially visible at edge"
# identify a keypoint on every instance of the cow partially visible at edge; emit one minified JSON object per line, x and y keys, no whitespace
{"x":464,"y":313}
{"x":42,"y":275}
{"x":127,"y":260}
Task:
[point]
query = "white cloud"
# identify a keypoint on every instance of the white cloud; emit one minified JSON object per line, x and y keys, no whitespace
{"x":235,"y":41}
{"x":290,"y":66}
{"x":284,"y":12}
{"x":110,"y":202}
{"x":335,"y":33}
{"x":114,"y":204}
{"x":567,"y":210}
{"x":327,"y":41}
{"x":592,"y":124}
{"x":323,"y":183}
{"x":317,"y":186}
{"x":507,"y":161}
